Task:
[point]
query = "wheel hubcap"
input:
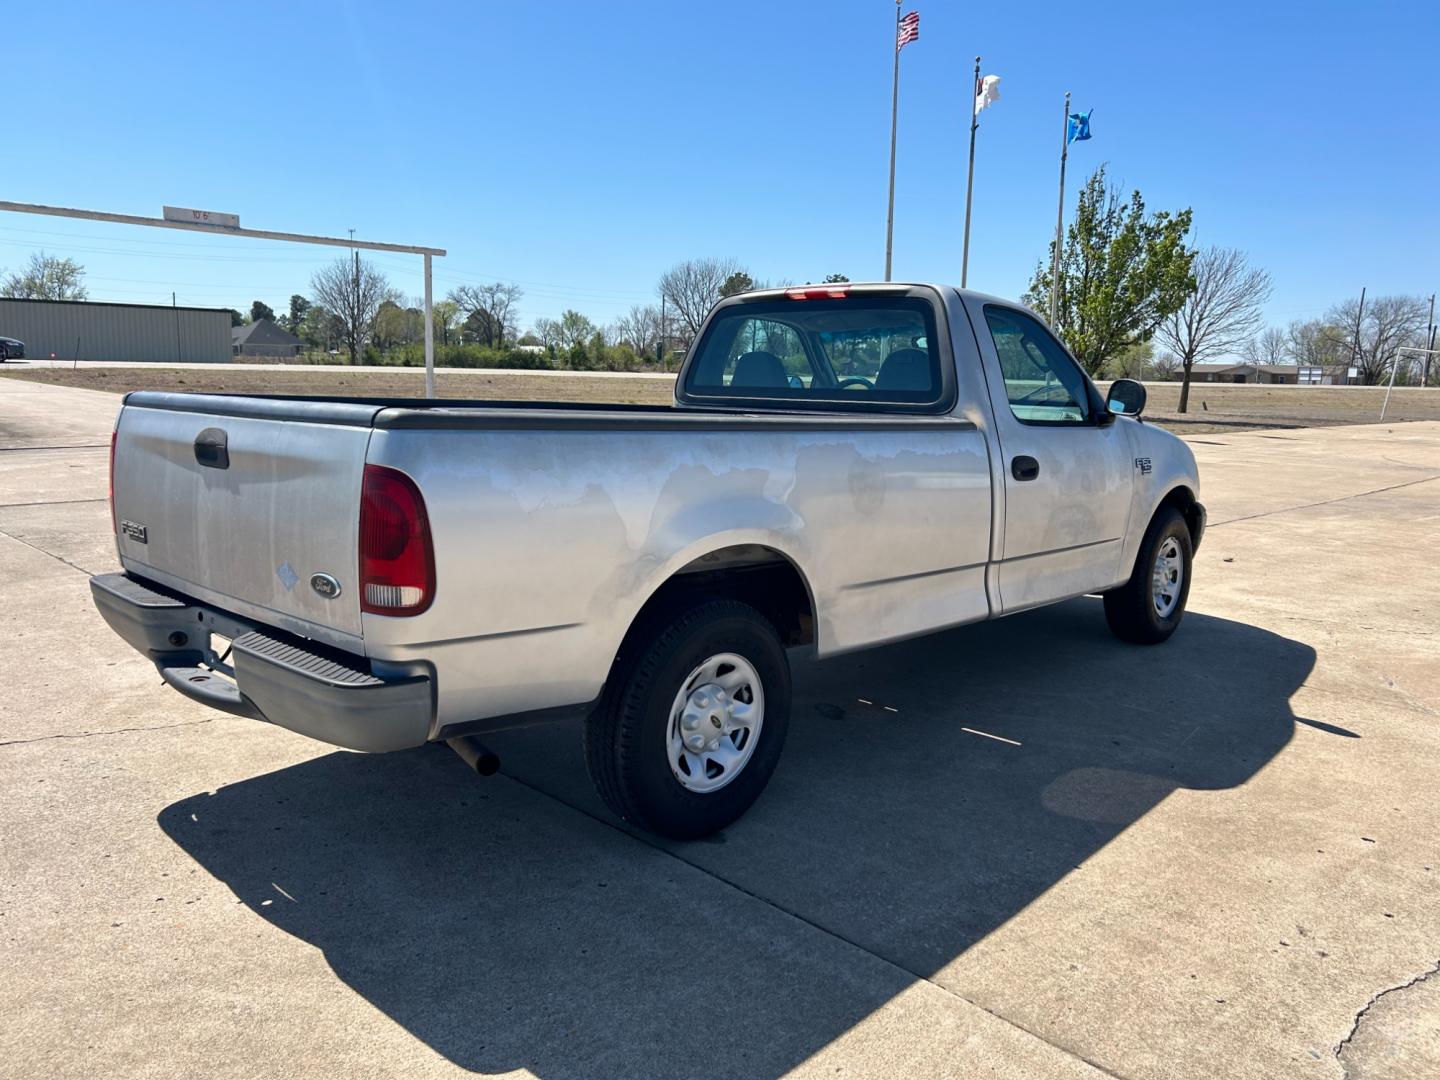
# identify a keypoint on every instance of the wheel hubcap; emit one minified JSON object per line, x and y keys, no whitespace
{"x":1167,"y":578}
{"x":715,"y":722}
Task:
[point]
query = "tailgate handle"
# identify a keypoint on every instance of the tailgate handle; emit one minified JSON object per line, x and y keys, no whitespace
{"x":212,"y":449}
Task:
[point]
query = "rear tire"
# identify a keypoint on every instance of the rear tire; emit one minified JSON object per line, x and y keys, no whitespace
{"x":1148,"y":608}
{"x":714,"y":672}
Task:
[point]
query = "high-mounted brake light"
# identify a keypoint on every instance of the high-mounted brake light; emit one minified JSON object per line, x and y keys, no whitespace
{"x":821,"y":292}
{"x":397,"y":558}
{"x":114,"y":520}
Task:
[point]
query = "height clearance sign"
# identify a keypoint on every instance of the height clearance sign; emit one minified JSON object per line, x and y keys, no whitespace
{"x":202,"y":217}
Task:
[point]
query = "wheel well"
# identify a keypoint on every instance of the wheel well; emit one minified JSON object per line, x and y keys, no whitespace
{"x":1183,"y":499}
{"x":751,"y":573}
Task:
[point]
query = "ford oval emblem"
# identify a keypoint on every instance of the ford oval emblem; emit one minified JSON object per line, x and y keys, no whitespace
{"x":325,"y":585}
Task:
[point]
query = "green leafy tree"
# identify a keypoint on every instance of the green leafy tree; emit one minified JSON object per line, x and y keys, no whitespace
{"x":1122,"y":272}
{"x":834,"y":279}
{"x":46,"y":277}
{"x":236,"y":319}
{"x":737,"y":283}
{"x":446,"y":314}
{"x":261,"y":310}
{"x":575,"y":329}
{"x":1133,"y":361}
{"x":298,"y":306}
{"x":321,"y":328}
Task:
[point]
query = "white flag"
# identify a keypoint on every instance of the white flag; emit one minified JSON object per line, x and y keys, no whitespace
{"x":987,"y":91}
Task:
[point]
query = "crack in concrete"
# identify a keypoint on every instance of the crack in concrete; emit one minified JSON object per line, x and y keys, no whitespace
{"x":1344,"y":1043}
{"x":50,"y":502}
{"x":1322,"y":502}
{"x":115,"y":731}
{"x":57,"y":558}
{"x":76,"y":446}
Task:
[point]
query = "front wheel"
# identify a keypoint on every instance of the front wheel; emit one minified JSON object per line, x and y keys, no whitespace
{"x":1147,"y":608}
{"x":693,"y":720}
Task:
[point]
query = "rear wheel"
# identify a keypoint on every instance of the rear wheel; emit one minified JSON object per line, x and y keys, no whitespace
{"x":692,"y":721}
{"x":1147,"y":608}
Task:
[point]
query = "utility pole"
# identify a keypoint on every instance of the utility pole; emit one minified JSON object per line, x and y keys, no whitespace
{"x":355,"y":300}
{"x":1429,"y":345}
{"x":1355,"y":342}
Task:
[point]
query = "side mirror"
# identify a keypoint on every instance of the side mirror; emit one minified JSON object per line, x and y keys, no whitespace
{"x":795,"y":383}
{"x":1126,"y":397}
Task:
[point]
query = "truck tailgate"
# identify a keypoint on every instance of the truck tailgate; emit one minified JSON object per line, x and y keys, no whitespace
{"x":242,"y":503}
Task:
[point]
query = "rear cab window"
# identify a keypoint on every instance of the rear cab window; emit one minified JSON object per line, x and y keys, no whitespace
{"x":832,"y":352}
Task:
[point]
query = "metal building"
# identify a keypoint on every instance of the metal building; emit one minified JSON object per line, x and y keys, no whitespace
{"x":79,"y":329}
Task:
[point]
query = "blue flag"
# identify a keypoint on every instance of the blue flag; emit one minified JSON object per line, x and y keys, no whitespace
{"x":1079,"y":128}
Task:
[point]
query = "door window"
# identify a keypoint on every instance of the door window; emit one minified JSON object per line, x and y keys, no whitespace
{"x":1042,"y":383}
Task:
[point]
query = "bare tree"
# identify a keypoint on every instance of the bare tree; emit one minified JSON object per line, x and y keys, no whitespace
{"x":693,"y":286}
{"x":352,"y":290}
{"x":1164,"y":367}
{"x":640,"y":329}
{"x":490,"y":309}
{"x":548,"y":331}
{"x":1220,"y":316}
{"x":1387,"y":323}
{"x":46,"y":277}
{"x":1270,"y":346}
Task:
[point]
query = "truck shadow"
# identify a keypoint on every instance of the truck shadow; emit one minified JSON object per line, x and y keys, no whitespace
{"x":929,"y":792}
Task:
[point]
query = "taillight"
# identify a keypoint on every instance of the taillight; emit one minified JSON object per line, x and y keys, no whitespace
{"x":114,"y":520}
{"x":818,"y":292}
{"x":397,"y":559}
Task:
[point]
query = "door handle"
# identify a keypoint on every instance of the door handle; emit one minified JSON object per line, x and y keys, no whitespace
{"x":1024,"y":468}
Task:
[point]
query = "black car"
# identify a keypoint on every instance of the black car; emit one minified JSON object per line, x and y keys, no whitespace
{"x":10,"y":349}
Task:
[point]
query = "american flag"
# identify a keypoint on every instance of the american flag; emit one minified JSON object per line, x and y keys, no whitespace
{"x":909,"y":30}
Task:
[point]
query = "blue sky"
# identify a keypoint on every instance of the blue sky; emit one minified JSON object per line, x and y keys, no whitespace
{"x":579,"y":149}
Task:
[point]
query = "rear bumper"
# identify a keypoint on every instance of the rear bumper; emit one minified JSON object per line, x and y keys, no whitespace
{"x":311,"y":689}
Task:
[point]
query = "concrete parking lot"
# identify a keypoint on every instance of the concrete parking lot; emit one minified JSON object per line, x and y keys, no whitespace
{"x":1019,"y":849}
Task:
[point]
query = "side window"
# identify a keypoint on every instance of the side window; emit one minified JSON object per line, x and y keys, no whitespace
{"x":753,"y":356}
{"x":1041,"y":381}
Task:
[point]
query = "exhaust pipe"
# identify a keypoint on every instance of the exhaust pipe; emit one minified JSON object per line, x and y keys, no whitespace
{"x":475,"y":754}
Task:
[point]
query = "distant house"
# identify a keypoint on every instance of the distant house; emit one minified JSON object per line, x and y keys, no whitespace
{"x":264,"y":338}
{"x":1245,"y":373}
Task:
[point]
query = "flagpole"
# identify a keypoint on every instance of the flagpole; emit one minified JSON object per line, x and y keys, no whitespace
{"x":894,"y":115}
{"x":970,"y":175}
{"x":1059,"y":220}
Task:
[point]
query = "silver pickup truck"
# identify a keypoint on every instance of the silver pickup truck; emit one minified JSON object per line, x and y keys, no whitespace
{"x":844,"y":466}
